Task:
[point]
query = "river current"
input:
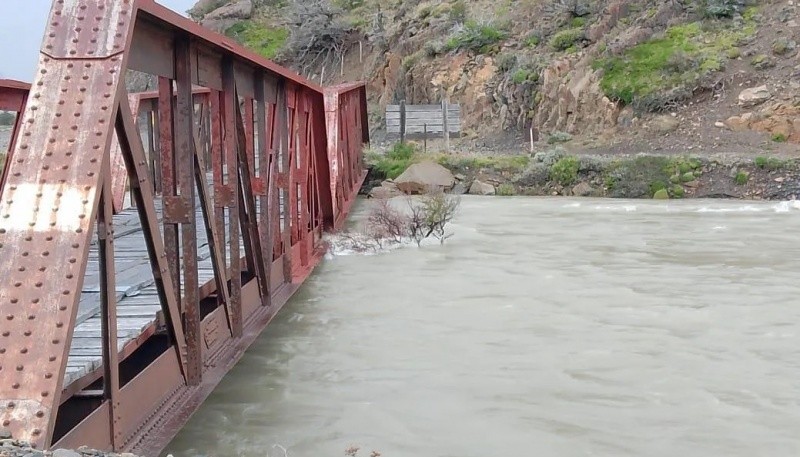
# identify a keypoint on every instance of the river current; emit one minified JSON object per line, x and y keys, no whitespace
{"x":543,"y":327}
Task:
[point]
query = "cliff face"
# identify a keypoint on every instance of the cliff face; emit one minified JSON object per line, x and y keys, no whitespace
{"x":602,"y":71}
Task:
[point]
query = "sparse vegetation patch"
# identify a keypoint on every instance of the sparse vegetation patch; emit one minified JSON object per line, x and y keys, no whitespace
{"x":653,"y":74}
{"x":476,"y":37}
{"x":267,"y":41}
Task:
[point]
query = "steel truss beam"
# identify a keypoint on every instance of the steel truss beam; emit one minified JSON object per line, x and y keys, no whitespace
{"x":284,"y":158}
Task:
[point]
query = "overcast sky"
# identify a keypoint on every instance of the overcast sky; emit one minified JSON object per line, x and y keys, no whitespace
{"x":22,"y":28}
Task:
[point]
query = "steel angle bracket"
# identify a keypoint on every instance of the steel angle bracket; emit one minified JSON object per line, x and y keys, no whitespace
{"x":50,"y":202}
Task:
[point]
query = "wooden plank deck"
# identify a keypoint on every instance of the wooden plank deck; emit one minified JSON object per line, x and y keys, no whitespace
{"x":137,"y":297}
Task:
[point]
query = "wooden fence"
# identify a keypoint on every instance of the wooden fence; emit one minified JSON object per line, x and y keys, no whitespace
{"x":423,"y":121}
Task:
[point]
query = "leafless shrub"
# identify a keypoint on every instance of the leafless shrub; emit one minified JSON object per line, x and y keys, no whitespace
{"x":385,"y":226}
{"x":319,"y":33}
{"x":385,"y":222}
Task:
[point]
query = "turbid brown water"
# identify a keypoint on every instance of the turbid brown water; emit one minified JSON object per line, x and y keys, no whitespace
{"x":544,"y":327}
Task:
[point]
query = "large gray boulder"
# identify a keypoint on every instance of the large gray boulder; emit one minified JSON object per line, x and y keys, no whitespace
{"x":227,"y":15}
{"x":387,"y":189}
{"x":754,"y":95}
{"x":425,"y":176}
{"x":481,"y":188}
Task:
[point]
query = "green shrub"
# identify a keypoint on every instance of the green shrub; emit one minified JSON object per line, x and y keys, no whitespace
{"x":458,"y":12}
{"x":761,"y":61}
{"x":578,"y":22}
{"x":520,"y":76}
{"x":559,"y":137}
{"x":678,"y":191}
{"x":656,"y":186}
{"x":779,"y":138}
{"x":638,"y":177}
{"x":741,"y":178}
{"x":661,"y":194}
{"x":781,"y":46}
{"x":774,"y":163}
{"x":476,"y":37}
{"x":533,"y":40}
{"x":505,"y":190}
{"x":565,"y":171}
{"x":769,"y":163}
{"x":267,"y":41}
{"x":395,"y":161}
{"x":565,"y":39}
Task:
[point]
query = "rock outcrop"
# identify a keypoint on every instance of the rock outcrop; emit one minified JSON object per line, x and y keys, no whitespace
{"x":575,"y":104}
{"x":781,"y":120}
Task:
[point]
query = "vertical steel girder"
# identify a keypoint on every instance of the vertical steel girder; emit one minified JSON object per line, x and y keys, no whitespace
{"x":49,"y":202}
{"x":284,"y":159}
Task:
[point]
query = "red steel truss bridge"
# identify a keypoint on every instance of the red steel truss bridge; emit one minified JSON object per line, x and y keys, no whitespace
{"x":147,"y":239}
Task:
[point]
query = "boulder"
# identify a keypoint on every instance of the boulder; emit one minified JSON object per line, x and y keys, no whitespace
{"x":754,"y":96}
{"x":481,"y":188}
{"x":739,"y":123}
{"x":227,"y":15}
{"x":459,"y":189}
{"x":665,"y":124}
{"x":387,"y":189}
{"x":582,"y":189}
{"x":424,"y":176}
{"x":203,"y":7}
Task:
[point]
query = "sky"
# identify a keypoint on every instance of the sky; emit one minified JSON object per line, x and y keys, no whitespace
{"x":22,"y":29}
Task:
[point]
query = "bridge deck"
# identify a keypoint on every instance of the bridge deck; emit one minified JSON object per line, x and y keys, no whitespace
{"x":137,"y":297}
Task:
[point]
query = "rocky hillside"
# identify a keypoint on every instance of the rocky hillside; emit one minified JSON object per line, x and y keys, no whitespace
{"x":599,"y":76}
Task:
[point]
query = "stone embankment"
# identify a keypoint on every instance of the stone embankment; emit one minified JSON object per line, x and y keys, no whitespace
{"x":14,"y":448}
{"x":555,"y":173}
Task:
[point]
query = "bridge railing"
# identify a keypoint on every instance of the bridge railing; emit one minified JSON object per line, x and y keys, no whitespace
{"x":13,"y":97}
{"x":283,"y":162}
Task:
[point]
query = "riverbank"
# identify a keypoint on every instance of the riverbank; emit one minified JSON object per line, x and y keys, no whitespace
{"x":557,"y":172}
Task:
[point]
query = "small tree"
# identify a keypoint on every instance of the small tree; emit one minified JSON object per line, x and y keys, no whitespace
{"x":431,"y":214}
{"x":427,"y":217}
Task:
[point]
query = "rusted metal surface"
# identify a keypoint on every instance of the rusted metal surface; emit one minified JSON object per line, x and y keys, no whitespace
{"x":284,"y":157}
{"x":48,"y":203}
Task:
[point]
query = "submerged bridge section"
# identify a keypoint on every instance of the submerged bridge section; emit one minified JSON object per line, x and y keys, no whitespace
{"x":147,"y":239}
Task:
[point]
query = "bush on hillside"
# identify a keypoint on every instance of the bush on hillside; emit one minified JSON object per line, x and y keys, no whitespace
{"x":476,"y":37}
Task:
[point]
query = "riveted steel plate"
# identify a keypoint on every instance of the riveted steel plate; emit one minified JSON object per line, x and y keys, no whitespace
{"x":85,"y":29}
{"x":46,"y":215}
